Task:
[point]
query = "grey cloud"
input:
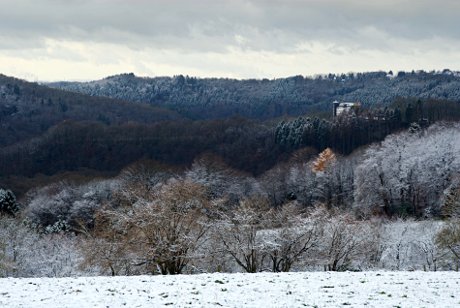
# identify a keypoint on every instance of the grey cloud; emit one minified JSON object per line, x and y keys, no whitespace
{"x":213,"y":25}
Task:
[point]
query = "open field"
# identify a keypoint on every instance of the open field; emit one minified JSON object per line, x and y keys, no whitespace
{"x":305,"y":289}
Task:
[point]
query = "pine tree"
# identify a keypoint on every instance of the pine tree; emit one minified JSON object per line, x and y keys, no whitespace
{"x":8,"y":203}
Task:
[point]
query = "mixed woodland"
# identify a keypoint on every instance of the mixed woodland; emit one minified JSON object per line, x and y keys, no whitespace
{"x":134,"y":175}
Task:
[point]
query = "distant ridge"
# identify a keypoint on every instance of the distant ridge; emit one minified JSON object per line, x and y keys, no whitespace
{"x":211,"y":98}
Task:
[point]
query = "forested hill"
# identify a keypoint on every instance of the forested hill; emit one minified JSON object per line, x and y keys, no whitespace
{"x":28,"y":110}
{"x":212,"y":98}
{"x":48,"y":131}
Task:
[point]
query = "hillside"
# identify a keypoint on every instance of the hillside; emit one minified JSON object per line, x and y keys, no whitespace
{"x":218,"y":97}
{"x":47,"y":131}
{"x":28,"y":110}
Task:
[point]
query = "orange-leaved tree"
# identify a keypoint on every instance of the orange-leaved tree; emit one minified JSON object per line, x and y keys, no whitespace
{"x":325,"y":159}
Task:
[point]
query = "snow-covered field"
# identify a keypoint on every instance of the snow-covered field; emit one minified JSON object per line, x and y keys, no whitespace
{"x":317,"y":289}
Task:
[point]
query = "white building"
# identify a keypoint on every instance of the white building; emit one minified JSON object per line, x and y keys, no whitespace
{"x":340,"y":108}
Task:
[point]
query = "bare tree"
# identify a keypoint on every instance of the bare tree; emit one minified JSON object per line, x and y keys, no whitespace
{"x":274,"y":183}
{"x":240,"y":233}
{"x":449,"y":238}
{"x":398,"y":241}
{"x":426,"y":243}
{"x":347,"y":240}
{"x":106,"y":247}
{"x":6,"y":239}
{"x":290,"y":236}
{"x":160,"y":233}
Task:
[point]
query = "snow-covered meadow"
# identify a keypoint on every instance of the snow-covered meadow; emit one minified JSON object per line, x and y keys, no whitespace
{"x":301,"y":289}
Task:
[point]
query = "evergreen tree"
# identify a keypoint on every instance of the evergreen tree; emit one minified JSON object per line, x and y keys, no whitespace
{"x":8,"y":203}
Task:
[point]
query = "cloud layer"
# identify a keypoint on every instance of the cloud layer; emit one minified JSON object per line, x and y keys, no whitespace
{"x":87,"y":39}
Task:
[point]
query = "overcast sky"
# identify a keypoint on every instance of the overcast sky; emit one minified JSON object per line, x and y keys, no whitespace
{"x":90,"y":39}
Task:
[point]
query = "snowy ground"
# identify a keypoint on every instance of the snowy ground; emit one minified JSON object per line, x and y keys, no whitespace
{"x":319,"y":289}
